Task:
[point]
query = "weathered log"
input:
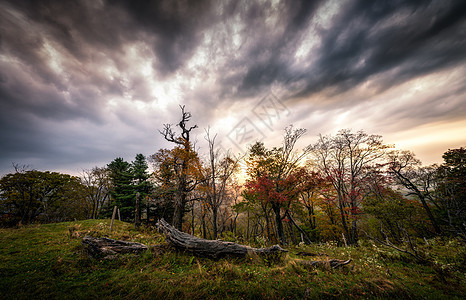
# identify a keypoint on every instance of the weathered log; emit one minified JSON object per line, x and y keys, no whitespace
{"x":332,"y":263}
{"x":108,"y":248}
{"x":211,"y":248}
{"x":302,"y":253}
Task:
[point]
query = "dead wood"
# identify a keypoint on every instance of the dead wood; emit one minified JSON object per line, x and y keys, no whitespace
{"x":211,"y":248}
{"x":332,"y":263}
{"x":302,"y":253}
{"x":108,"y":248}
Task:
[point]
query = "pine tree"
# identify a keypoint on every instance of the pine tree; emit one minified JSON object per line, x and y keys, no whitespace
{"x":141,"y":182}
{"x":140,"y":175}
{"x":123,"y":191}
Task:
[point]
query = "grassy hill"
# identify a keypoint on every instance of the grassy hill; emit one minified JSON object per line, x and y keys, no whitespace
{"x":48,"y":261}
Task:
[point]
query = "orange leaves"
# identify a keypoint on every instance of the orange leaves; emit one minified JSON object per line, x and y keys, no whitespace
{"x":177,"y":162}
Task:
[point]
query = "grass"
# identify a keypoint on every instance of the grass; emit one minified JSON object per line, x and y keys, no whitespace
{"x":48,"y":262}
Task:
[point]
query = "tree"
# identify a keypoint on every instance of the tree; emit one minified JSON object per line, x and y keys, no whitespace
{"x":183,"y":160}
{"x":419,"y":181}
{"x":234,"y":201}
{"x":122,"y":192}
{"x":390,"y":215}
{"x":346,"y":160}
{"x":312,"y":189}
{"x":162,"y":198}
{"x":141,"y":183}
{"x":451,"y":190}
{"x":97,"y":186}
{"x":273,"y":176}
{"x":140,"y":175}
{"x":29,"y":196}
{"x":219,"y":171}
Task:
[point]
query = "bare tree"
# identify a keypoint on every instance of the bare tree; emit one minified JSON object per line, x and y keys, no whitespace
{"x":234,"y":199}
{"x":418,"y":181}
{"x":97,"y":186}
{"x":221,"y":167}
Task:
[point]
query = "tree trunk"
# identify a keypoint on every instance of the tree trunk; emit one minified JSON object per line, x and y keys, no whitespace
{"x":279,"y":223}
{"x":204,"y":230}
{"x":293,"y":237}
{"x":148,"y":212}
{"x":354,"y":233}
{"x":267,"y":223}
{"x":137,"y":213}
{"x":214,"y":222}
{"x":178,"y":211}
{"x":210,"y":248}
{"x":344,"y":222}
{"x":304,"y":233}
{"x":312,"y":219}
{"x":192,"y":219}
{"x":247,"y":229}
{"x":429,"y":214}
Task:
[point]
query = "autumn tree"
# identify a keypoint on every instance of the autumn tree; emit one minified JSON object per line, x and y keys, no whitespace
{"x":313,"y":190}
{"x":346,"y":160}
{"x":256,"y":212}
{"x":165,"y":185}
{"x":182,"y":160}
{"x":272,"y":176}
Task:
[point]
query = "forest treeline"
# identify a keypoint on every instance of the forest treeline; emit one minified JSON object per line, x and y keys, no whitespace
{"x":341,"y":188}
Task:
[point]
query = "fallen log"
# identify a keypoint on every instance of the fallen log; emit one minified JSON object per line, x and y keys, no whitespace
{"x":211,"y":248}
{"x":108,"y":248}
{"x":332,"y":263}
{"x":302,"y":253}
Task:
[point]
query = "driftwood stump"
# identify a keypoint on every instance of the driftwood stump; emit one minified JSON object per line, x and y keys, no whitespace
{"x":211,"y":248}
{"x":108,"y":248}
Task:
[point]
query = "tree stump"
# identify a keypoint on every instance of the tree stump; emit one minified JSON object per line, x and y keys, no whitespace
{"x":108,"y":248}
{"x":211,"y":248}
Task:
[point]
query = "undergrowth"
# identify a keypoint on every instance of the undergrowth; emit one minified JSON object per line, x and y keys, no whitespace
{"x":48,"y":261}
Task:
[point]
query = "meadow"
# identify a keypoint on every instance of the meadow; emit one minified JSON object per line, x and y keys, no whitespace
{"x":49,"y":262}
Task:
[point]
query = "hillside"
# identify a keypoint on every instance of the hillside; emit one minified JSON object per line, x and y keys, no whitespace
{"x":48,"y":261}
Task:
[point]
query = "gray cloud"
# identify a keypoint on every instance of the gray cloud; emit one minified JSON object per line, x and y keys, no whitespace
{"x":371,"y":37}
{"x":84,"y":82}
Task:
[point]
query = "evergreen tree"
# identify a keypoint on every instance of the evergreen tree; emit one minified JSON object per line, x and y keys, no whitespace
{"x":123,"y":191}
{"x":141,"y":182}
{"x":140,"y":175}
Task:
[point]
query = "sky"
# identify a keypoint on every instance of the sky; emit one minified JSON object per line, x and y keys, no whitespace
{"x":84,"y":82}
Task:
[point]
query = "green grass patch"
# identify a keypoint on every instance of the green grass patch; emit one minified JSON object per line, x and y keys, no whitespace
{"x":48,"y":261}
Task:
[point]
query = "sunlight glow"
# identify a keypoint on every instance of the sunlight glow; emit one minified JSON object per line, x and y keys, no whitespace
{"x":423,"y":140}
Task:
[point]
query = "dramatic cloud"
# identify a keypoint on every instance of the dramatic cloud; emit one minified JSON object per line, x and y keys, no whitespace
{"x":83,"y":82}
